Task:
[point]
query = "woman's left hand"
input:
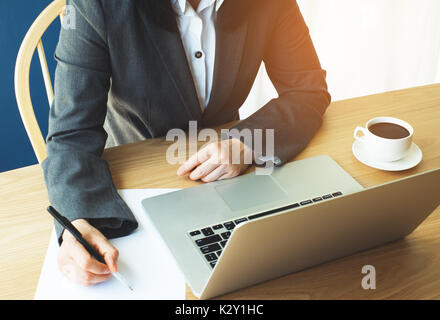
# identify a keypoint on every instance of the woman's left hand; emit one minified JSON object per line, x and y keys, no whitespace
{"x":217,"y":161}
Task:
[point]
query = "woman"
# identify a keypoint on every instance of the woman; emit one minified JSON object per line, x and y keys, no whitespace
{"x":133,"y":70}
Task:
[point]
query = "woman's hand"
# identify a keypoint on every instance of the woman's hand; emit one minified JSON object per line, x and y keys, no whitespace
{"x":218,"y":161}
{"x":77,"y":264}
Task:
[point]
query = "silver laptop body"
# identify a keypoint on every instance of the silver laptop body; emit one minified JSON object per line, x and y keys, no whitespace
{"x":231,"y":234}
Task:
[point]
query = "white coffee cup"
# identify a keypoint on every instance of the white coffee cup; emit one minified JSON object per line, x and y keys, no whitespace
{"x":384,"y":149}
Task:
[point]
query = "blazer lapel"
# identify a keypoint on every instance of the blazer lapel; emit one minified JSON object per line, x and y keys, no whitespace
{"x":230,"y":41}
{"x":170,"y":48}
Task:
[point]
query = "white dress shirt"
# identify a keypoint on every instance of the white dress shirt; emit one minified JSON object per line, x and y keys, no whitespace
{"x":197,"y":30}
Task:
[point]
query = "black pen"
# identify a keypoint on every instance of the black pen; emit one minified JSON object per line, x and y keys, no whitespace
{"x":93,"y":252}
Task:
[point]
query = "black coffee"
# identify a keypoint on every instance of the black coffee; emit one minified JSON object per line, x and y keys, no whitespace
{"x":388,"y":130}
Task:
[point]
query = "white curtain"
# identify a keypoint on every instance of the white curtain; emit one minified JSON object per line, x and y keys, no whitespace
{"x":367,"y":47}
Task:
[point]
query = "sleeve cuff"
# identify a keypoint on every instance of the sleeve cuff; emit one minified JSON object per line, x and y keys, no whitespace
{"x":109,"y":227}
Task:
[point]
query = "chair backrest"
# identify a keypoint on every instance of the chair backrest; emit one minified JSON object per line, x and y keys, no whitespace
{"x":32,"y":41}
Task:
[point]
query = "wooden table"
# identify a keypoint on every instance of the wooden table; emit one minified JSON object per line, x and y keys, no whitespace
{"x":406,"y":269}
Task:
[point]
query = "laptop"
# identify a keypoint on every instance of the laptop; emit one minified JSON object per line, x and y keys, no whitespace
{"x":231,"y":234}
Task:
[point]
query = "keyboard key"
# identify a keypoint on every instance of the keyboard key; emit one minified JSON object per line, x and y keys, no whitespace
{"x":226,"y":235}
{"x":207,"y":232}
{"x":303,"y":203}
{"x":194,"y":233}
{"x":212,"y":264}
{"x":240,"y":220}
{"x":219,"y":253}
{"x":229,"y":225}
{"x":336,"y":194}
{"x":210,"y":248}
{"x":217,"y":226}
{"x":317,"y":199}
{"x":223,"y":243}
{"x":211,"y":257}
{"x":327,"y":196}
{"x":208,"y":240}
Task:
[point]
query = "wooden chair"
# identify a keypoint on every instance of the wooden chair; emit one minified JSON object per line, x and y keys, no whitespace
{"x":32,"y":41}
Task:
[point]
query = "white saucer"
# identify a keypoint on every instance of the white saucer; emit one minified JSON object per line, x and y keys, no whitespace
{"x":412,"y":159}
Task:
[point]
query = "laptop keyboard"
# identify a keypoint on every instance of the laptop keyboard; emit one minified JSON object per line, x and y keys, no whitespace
{"x":211,"y":240}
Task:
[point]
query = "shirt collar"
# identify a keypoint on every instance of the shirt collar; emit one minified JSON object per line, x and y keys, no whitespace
{"x":180,"y":5}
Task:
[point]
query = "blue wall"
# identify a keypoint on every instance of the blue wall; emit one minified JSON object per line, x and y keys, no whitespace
{"x":16,"y":16}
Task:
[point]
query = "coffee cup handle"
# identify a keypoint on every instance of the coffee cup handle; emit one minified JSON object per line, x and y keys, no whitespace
{"x":360,"y":138}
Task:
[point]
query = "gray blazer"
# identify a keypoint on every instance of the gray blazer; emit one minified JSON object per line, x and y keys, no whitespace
{"x":122,"y":76}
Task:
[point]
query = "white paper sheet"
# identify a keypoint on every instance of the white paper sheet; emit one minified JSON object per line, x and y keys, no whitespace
{"x":144,"y":261}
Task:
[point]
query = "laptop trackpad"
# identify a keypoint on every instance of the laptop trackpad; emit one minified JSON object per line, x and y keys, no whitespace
{"x":250,"y":192}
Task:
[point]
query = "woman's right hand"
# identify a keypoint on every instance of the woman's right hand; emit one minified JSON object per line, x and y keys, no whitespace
{"x":77,"y":264}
